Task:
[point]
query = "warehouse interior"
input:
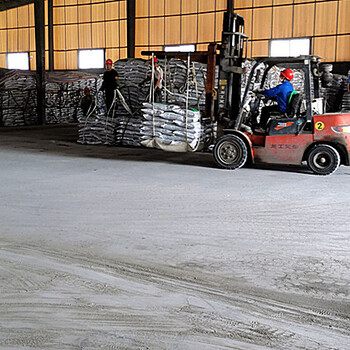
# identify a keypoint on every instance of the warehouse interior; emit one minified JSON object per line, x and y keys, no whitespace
{"x":166,"y":215}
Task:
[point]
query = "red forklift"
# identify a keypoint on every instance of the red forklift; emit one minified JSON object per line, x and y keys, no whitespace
{"x":322,"y":140}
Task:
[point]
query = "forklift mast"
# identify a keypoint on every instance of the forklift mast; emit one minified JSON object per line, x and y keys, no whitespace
{"x":231,"y":59}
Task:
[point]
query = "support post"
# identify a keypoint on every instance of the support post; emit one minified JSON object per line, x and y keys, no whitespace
{"x":210,"y":83}
{"x":50,"y":23}
{"x":40,"y":58}
{"x":131,"y":28}
{"x":230,"y":5}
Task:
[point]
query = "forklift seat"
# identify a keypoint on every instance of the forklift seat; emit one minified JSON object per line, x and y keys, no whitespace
{"x":293,"y":107}
{"x":294,"y":104}
{"x":290,"y":122}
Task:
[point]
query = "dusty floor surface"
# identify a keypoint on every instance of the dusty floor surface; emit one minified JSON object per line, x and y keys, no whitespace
{"x":116,"y":248}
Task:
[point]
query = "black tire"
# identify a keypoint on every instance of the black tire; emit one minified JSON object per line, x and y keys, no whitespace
{"x":323,"y":159}
{"x":230,"y":152}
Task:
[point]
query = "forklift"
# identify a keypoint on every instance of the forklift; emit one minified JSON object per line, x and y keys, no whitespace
{"x":322,"y":140}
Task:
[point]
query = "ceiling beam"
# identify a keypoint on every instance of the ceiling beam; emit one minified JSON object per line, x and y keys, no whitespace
{"x":9,"y":4}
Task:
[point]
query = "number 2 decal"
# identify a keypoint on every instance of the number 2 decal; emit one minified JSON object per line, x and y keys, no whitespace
{"x":319,"y":126}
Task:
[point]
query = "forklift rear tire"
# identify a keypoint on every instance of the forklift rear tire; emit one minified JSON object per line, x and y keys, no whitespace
{"x":323,"y":159}
{"x":230,"y":152}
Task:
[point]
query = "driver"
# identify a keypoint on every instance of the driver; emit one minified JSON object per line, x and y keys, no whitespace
{"x":281,"y":93}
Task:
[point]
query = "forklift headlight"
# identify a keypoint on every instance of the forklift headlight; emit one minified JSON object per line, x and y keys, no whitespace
{"x":342,"y":129}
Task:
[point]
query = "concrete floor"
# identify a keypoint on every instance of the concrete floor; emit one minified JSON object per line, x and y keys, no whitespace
{"x":117,"y":248}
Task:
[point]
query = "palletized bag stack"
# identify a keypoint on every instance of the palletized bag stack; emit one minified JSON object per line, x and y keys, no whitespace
{"x":333,"y":93}
{"x":127,"y":126}
{"x":176,"y":75}
{"x":171,"y":127}
{"x":18,"y":98}
{"x":345,"y":107}
{"x":64,"y":93}
{"x":134,"y":89}
{"x":96,"y":128}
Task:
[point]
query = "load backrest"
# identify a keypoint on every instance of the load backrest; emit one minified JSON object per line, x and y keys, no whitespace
{"x":294,"y":104}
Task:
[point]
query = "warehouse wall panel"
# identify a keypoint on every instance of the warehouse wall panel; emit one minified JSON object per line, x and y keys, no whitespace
{"x":17,"y":33}
{"x":142,"y":34}
{"x":156,"y":31}
{"x":172,"y":30}
{"x":262,"y":23}
{"x":189,"y":28}
{"x":172,"y":7}
{"x":343,"y":48}
{"x":325,"y":22}
{"x":326,"y":18}
{"x":89,"y":24}
{"x":2,"y":60}
{"x":282,"y":22}
{"x":206,"y":27}
{"x":241,"y":4}
{"x":71,"y":37}
{"x":304,"y":20}
{"x":168,"y":22}
{"x":85,"y":24}
{"x":325,"y":47}
{"x":260,"y":48}
{"x":221,"y":5}
{"x":283,"y":2}
{"x":3,"y":41}
{"x":218,"y":26}
{"x":71,"y":14}
{"x":188,"y":6}
{"x":258,"y":3}
{"x":344,"y":13}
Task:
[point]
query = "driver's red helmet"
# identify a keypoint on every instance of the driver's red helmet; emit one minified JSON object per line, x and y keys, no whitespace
{"x":288,"y":74}
{"x":109,"y":61}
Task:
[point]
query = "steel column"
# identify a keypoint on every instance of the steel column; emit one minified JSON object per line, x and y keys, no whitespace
{"x":40,"y":58}
{"x":131,"y":27}
{"x":50,"y":22}
{"x":210,"y":82}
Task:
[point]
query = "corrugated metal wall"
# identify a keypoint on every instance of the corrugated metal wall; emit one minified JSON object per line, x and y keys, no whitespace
{"x":85,"y":24}
{"x":171,"y":22}
{"x":325,"y":22}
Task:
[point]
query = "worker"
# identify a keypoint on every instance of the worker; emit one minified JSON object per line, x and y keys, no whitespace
{"x":348,"y":89}
{"x":110,"y":83}
{"x":86,"y":101}
{"x":281,"y":93}
{"x":158,"y":80}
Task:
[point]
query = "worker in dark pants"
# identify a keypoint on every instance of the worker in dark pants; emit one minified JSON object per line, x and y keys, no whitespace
{"x":87,"y":102}
{"x":110,"y":83}
{"x":281,"y":93}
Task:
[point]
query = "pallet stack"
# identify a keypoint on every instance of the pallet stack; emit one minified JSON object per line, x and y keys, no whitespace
{"x":64,"y":94}
{"x":126,"y":126}
{"x":18,"y":98}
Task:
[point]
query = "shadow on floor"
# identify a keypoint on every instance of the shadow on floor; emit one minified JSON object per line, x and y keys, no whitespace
{"x":61,"y":140}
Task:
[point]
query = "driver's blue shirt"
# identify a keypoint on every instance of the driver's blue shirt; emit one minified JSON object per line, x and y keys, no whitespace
{"x":282,"y":93}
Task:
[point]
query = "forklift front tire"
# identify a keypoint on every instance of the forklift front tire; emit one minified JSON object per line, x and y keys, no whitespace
{"x":230,"y":152}
{"x":323,"y":159}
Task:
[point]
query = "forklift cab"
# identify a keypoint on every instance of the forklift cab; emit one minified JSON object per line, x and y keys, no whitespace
{"x":295,"y":120}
